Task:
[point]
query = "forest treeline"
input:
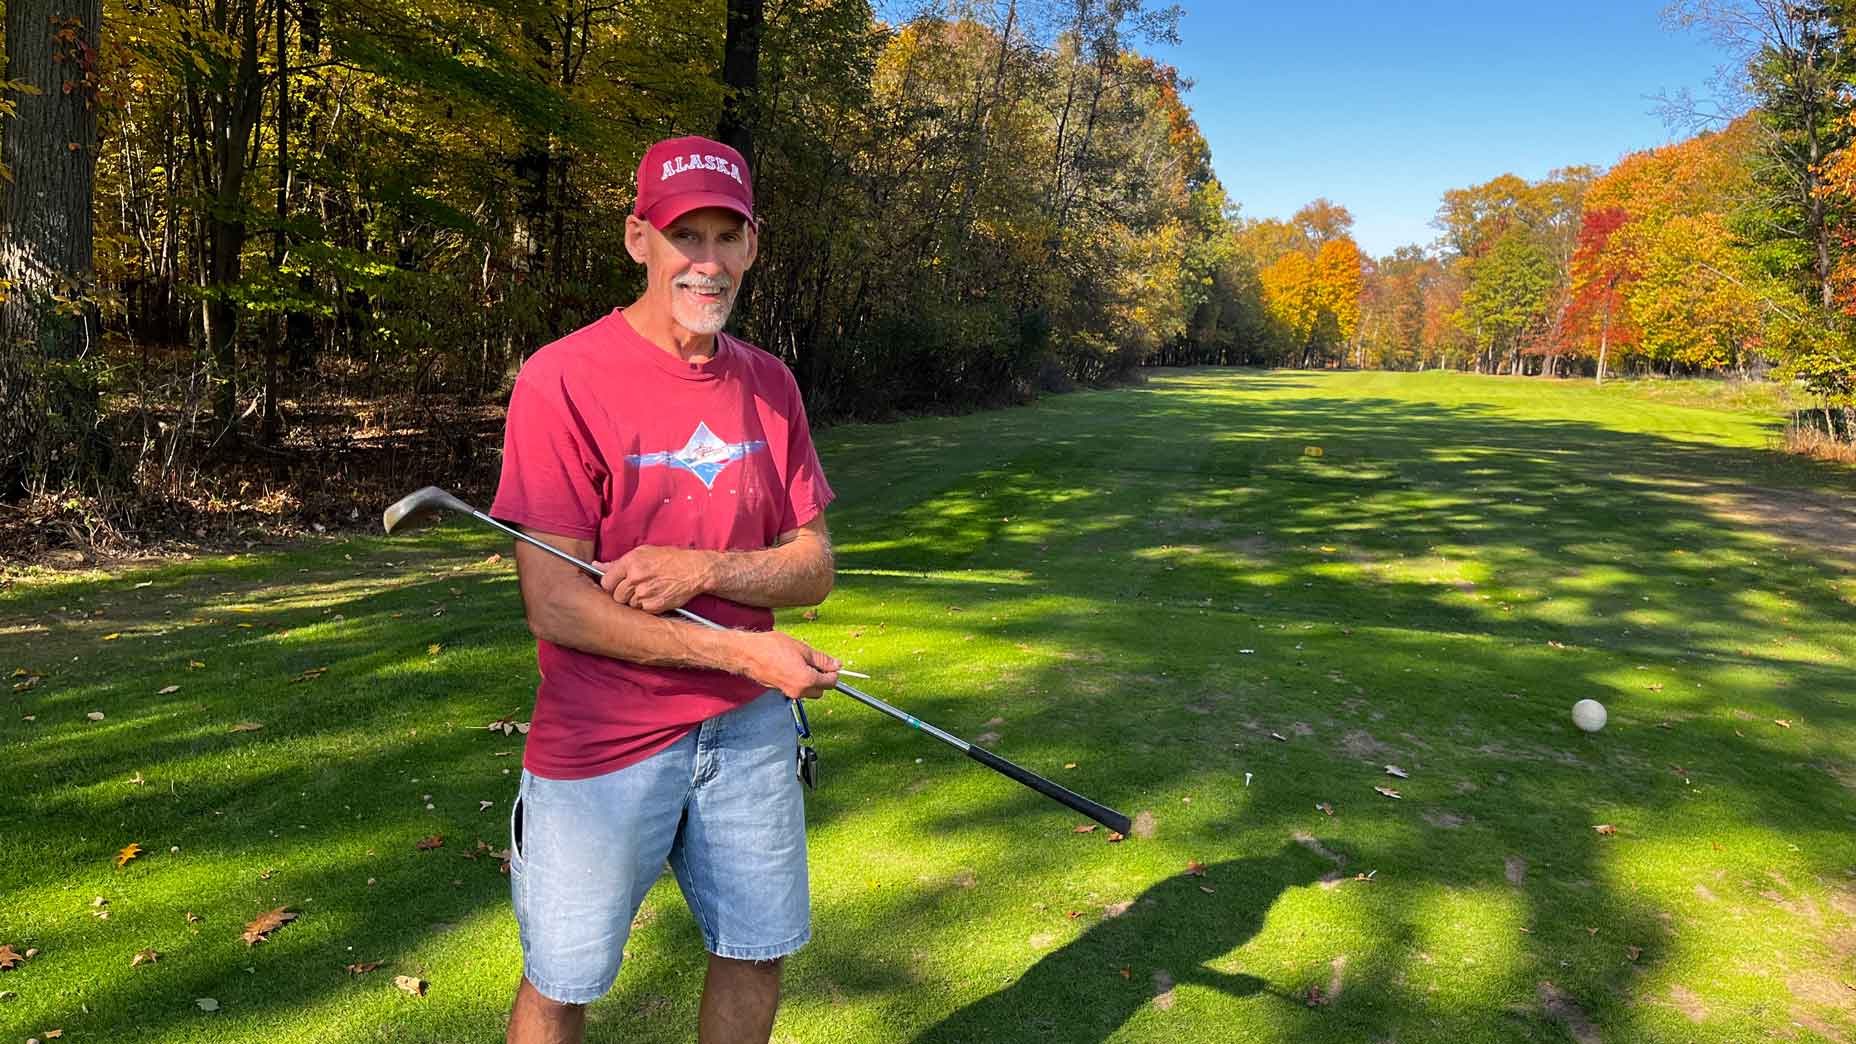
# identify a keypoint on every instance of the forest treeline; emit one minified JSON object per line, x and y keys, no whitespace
{"x":218,"y":212}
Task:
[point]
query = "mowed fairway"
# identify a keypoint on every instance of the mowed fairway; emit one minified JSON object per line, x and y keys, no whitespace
{"x":1158,"y":596}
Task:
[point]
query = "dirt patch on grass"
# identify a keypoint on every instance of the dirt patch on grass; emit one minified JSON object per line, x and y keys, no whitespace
{"x":1564,"y":1010}
{"x":1442,"y":819}
{"x":1250,"y":546}
{"x":1822,"y":524}
{"x":1144,"y":825}
{"x":1332,"y":878}
{"x":1163,"y":989}
{"x":1688,"y":1004}
{"x":1336,"y":977}
{"x":1514,"y":868}
{"x":1360,"y":744}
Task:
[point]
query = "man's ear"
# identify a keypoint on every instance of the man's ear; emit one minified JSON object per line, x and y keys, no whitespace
{"x":637,"y":235}
{"x":753,"y":233}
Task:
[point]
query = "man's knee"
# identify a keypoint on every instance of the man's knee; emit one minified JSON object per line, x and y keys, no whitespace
{"x":532,"y":999}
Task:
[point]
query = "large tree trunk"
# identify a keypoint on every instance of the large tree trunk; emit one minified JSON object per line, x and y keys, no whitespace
{"x":747,"y":21}
{"x":48,"y":405}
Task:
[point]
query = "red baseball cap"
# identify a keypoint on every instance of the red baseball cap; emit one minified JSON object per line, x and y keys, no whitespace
{"x":685,"y":174}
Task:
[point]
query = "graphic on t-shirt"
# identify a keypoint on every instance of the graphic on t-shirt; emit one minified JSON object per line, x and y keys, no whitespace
{"x":704,"y":455}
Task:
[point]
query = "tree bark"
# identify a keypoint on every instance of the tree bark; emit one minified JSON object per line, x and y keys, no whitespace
{"x":747,"y":21}
{"x":48,"y":404}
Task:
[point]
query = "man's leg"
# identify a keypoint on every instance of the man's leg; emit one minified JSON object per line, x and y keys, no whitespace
{"x":741,"y":862}
{"x":738,"y":1001}
{"x":538,"y":1020}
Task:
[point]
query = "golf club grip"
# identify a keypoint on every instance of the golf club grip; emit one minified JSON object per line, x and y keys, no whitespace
{"x":1102,"y":814}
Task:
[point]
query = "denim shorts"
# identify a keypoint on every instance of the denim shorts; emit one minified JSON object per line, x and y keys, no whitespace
{"x":722,"y":805}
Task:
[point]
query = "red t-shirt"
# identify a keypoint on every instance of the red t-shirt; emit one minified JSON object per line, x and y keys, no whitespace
{"x":611,"y":438}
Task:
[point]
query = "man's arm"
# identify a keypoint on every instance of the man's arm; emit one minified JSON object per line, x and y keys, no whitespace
{"x":797,"y":570}
{"x":566,"y":608}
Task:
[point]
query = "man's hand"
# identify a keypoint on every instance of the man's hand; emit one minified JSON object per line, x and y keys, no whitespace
{"x":782,"y":662}
{"x":657,"y":579}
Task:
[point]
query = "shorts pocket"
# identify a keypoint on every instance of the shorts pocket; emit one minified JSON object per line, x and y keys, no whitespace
{"x":515,"y":832}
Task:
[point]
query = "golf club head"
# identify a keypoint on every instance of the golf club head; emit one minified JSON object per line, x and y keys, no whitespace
{"x":420,"y":506}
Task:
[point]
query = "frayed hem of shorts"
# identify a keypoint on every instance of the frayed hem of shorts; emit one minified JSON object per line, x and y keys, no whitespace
{"x":564,"y":995}
{"x":764,"y":953}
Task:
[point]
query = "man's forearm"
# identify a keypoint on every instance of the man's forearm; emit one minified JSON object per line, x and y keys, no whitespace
{"x":579,"y":615}
{"x":798,"y":572}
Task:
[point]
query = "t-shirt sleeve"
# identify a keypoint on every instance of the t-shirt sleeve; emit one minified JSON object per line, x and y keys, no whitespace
{"x":550,"y":479}
{"x":807,"y":492}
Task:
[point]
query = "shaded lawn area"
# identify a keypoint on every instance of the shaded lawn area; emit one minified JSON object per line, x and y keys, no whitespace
{"x":1135,"y":592}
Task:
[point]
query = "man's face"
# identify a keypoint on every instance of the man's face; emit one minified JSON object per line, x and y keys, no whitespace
{"x":695,"y":265}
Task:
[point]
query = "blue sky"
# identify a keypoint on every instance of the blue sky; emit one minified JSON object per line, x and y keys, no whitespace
{"x":1380,"y":107}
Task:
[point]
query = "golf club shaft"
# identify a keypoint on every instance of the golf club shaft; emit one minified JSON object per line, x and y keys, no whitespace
{"x":1102,"y":814}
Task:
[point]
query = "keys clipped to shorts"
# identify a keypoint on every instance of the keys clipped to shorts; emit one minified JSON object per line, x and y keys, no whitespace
{"x":807,"y":762}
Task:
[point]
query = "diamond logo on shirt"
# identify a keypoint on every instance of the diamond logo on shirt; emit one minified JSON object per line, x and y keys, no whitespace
{"x":705,"y":455}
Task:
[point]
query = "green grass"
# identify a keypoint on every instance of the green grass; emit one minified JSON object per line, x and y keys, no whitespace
{"x":1141,"y":587}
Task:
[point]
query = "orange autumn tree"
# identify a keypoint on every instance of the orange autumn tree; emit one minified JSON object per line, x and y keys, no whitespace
{"x":1660,"y":269}
{"x":1596,"y":310}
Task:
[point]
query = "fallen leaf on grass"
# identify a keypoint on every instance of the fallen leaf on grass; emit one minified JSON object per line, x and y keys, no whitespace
{"x":31,"y":682}
{"x":206,"y":1003}
{"x":1325,"y":809}
{"x":508,"y":726}
{"x":194,"y":665}
{"x":193,"y":918}
{"x":167,"y":690}
{"x":137,"y":780}
{"x":483,"y":806}
{"x":1315,"y":997}
{"x":260,"y":930}
{"x":1207,"y":889}
{"x":9,"y":957}
{"x":309,"y":674}
{"x":1606,"y":829}
{"x":1782,"y":723}
{"x":1114,"y":836}
{"x":148,"y":956}
{"x":1069,"y":764}
{"x":363,"y":967}
{"x":1194,"y":868}
{"x":1279,"y":737}
{"x":1127,"y":972}
{"x":95,"y":715}
{"x":1083,"y":828}
{"x":127,"y":852}
{"x":112,"y":636}
{"x":246,"y":726}
{"x":53,"y":1034}
{"x":1633,"y":952}
{"x":1394,"y":770}
{"x":426,"y":844}
{"x":434,"y":649}
{"x":416,"y":987}
{"x":1388,"y":792}
{"x":809,"y":614}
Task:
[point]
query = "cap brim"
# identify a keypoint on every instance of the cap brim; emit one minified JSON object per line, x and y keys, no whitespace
{"x":670,"y":209}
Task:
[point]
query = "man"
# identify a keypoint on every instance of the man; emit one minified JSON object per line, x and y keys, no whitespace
{"x":680,"y":458}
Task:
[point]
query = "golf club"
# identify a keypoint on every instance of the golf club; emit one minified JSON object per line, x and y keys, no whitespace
{"x":428,"y":502}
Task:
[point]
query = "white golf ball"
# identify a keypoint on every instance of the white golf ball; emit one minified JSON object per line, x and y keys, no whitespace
{"x":1589,"y":715}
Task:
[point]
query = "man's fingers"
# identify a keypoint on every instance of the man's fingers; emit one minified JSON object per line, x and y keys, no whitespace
{"x":610,"y":576}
